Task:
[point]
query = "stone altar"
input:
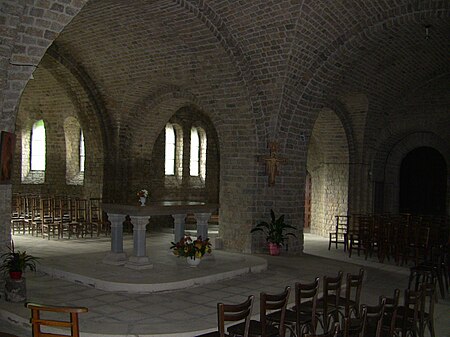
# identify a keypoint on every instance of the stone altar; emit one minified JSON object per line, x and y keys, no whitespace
{"x":139,"y":217}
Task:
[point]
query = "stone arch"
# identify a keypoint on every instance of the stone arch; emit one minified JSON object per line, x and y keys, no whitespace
{"x":58,"y":95}
{"x":309,"y":89}
{"x":393,"y":157}
{"x":328,"y":165}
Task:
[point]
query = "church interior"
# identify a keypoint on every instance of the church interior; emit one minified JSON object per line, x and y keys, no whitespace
{"x":320,"y":111}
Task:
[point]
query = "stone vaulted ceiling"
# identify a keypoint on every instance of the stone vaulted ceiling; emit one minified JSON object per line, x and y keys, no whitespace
{"x":282,"y":52}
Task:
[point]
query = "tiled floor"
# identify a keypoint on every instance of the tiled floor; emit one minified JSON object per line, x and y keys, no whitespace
{"x":179,"y":312}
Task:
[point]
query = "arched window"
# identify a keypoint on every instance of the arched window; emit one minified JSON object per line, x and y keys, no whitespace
{"x":170,"y":150}
{"x":195,"y":153}
{"x":37,"y":150}
{"x":82,"y":152}
{"x":198,"y":153}
{"x":173,"y":150}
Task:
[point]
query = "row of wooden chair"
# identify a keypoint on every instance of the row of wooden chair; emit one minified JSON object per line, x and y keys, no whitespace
{"x":308,"y":311}
{"x":402,"y":237}
{"x":385,"y":319}
{"x":58,"y":216}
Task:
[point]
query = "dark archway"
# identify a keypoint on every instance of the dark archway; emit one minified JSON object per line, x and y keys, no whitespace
{"x":423,"y":182}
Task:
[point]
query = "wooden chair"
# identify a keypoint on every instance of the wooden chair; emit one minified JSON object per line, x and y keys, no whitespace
{"x":390,"y":314}
{"x":408,"y":315}
{"x":302,"y":317}
{"x":433,"y":270}
{"x":427,"y":309}
{"x":262,"y":328}
{"x":96,"y":222}
{"x":361,"y":239}
{"x":354,"y":327}
{"x":375,"y":316}
{"x":49,"y":226}
{"x":328,"y":304}
{"x":349,"y":304}
{"x":37,"y":321}
{"x":232,"y":313}
{"x":339,"y":236}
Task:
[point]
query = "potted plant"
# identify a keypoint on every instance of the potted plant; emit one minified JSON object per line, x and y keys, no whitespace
{"x":275,"y":232}
{"x":193,"y":250}
{"x":16,"y":262}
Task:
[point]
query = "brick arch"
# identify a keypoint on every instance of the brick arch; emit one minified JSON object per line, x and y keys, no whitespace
{"x":49,"y":19}
{"x":328,"y":164}
{"x":392,"y":158}
{"x":156,"y":110}
{"x":308,"y":89}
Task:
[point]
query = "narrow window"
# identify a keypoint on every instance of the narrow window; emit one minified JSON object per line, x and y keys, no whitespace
{"x":82,"y":152}
{"x":202,"y":152}
{"x":195,"y":153}
{"x":170,"y":151}
{"x":38,"y":146}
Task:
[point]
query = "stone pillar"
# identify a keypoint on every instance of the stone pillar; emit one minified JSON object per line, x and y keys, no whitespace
{"x":178,"y":225}
{"x":202,"y":224}
{"x":116,"y":256}
{"x":139,"y":260}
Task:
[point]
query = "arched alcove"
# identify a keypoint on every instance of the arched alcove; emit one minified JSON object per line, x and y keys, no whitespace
{"x":423,"y":182}
{"x":328,"y":165}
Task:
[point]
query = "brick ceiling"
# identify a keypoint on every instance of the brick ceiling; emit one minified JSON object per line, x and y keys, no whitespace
{"x":130,"y":49}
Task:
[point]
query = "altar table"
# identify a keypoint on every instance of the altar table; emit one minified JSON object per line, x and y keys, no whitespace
{"x":139,"y":217}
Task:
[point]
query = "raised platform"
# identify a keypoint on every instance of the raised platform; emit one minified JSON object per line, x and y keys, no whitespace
{"x":69,"y":260}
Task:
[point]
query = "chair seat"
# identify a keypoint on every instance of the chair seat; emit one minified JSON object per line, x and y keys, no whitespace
{"x":255,"y":329}
{"x":306,"y":307}
{"x":290,"y":318}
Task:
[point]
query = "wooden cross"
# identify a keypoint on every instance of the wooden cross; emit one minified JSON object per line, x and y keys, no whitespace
{"x":273,"y":162}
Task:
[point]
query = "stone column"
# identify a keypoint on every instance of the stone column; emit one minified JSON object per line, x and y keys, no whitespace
{"x":139,"y":260}
{"x":116,"y":256}
{"x":202,"y":224}
{"x":178,"y":225}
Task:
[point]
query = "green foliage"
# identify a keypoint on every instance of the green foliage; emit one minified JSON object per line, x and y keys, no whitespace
{"x":15,"y":260}
{"x":275,"y":229}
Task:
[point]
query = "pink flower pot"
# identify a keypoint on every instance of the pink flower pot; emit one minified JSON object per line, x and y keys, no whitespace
{"x":274,"y":249}
{"x":15,"y":275}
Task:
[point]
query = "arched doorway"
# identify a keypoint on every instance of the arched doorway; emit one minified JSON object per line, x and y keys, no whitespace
{"x":328,"y":166}
{"x":423,"y":182}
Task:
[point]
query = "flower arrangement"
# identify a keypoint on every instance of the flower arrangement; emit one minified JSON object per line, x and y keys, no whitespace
{"x":191,"y":248}
{"x":142,"y":193}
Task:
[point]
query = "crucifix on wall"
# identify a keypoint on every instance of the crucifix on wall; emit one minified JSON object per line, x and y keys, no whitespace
{"x":273,"y":162}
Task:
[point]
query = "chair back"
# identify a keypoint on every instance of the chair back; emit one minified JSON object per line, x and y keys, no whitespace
{"x":390,"y":312}
{"x":426,"y":311}
{"x":307,"y":292}
{"x":357,"y":330}
{"x":233,"y":313}
{"x":273,"y":302}
{"x":411,"y":310}
{"x":37,"y":321}
{"x":374,"y":322}
{"x":353,"y":286}
{"x":332,"y":286}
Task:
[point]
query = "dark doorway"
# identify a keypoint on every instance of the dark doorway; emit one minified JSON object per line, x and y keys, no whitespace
{"x":423,"y":182}
{"x":307,"y":225}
